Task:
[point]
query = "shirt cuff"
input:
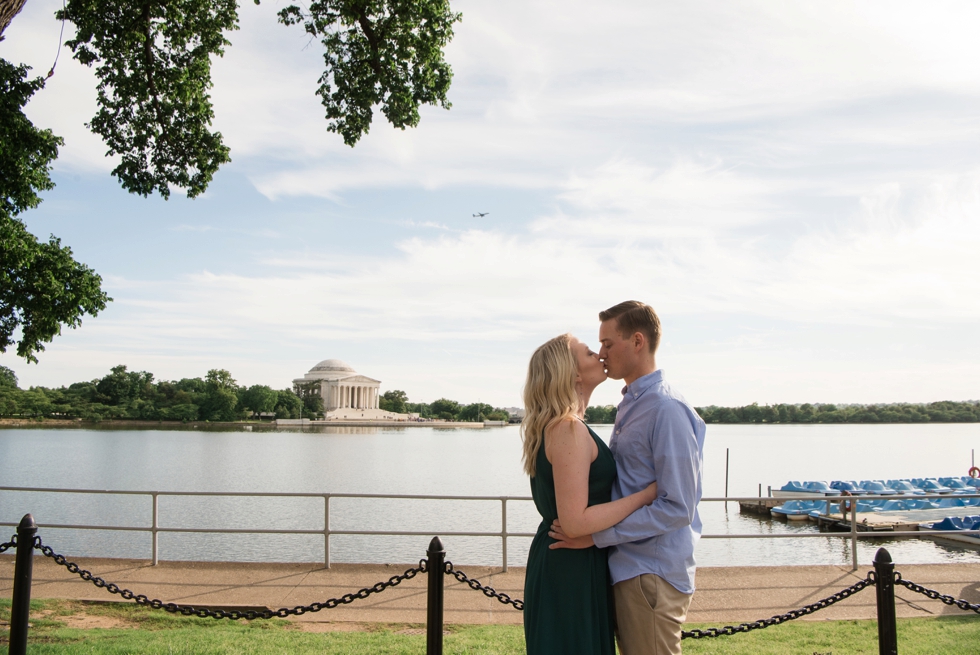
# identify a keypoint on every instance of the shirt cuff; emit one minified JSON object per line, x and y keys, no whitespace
{"x":604,"y":538}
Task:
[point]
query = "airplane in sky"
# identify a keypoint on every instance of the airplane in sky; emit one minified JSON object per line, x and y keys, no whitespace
{"x":480,"y":214}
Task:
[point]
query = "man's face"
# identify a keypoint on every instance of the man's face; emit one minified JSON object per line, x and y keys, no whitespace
{"x":617,"y":353}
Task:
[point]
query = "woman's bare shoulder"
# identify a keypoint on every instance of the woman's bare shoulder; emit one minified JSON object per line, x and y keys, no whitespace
{"x":569,"y":433}
{"x":566,"y":428}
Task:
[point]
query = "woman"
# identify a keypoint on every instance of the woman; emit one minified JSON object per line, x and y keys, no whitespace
{"x":567,"y":598}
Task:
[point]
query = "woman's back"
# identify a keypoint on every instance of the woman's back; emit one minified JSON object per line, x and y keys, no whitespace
{"x":567,"y":598}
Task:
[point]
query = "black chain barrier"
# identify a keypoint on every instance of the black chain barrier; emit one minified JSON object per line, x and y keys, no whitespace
{"x":868,"y":581}
{"x":489,"y":592}
{"x":234,"y":615}
{"x":935,"y":595}
{"x":693,"y":634}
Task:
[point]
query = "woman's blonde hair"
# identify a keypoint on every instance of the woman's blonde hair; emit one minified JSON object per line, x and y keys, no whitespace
{"x":549,"y":394}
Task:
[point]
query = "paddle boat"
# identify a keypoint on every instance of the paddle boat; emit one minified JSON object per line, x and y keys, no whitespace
{"x":877,"y":487}
{"x":904,"y":487}
{"x":957,"y":485}
{"x":951,"y":529}
{"x":930,"y":486}
{"x":808,"y":488}
{"x":850,"y":486}
{"x":798,"y":510}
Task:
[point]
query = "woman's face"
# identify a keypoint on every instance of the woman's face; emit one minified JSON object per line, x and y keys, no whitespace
{"x":591,"y":371}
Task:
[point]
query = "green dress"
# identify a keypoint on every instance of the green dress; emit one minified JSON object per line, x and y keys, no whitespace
{"x":567,"y":598}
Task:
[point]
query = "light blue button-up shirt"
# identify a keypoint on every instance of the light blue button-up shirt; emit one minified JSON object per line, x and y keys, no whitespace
{"x":657,"y":437}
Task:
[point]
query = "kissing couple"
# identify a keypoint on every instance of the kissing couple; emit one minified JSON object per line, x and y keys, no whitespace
{"x":613,"y":557}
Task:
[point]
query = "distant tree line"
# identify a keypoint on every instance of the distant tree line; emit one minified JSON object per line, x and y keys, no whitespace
{"x":451,"y":410}
{"x":124,"y":394}
{"x":603,"y":414}
{"x":444,"y":409}
{"x":940,"y":412}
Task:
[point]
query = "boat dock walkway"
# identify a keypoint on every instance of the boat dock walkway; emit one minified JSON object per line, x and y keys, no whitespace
{"x":724,"y":595}
{"x":888,"y":521}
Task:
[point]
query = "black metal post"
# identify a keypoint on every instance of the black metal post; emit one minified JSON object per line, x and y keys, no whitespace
{"x":437,"y":570}
{"x":885,"y":591}
{"x":20,"y":605}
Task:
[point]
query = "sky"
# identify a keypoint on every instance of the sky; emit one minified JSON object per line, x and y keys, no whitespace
{"x":793,"y":186}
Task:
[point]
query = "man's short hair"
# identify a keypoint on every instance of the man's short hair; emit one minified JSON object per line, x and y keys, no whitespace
{"x":634,"y":316}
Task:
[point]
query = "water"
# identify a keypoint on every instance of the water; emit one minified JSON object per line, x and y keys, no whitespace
{"x":425,"y":460}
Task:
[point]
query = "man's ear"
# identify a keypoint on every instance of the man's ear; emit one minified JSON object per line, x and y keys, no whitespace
{"x":639,"y":341}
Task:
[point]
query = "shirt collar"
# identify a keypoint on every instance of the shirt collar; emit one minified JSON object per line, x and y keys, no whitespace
{"x":640,"y":385}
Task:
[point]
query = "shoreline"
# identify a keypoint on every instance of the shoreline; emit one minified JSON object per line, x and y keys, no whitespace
{"x":239,"y":426}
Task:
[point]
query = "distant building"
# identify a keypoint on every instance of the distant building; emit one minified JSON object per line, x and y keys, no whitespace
{"x":346,"y":394}
{"x":516,"y":412}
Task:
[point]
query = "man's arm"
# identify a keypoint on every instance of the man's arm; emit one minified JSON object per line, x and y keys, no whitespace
{"x":677,"y":462}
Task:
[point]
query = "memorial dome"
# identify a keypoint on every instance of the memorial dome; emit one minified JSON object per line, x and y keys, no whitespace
{"x":333,"y":365}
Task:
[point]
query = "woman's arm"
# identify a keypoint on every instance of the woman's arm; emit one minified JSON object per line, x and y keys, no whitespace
{"x":568,"y":447}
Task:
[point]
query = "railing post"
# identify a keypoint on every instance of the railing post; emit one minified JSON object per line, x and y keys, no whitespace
{"x":854,"y":535}
{"x":437,"y":569}
{"x":726,"y":480}
{"x":326,"y":530}
{"x":156,"y":525}
{"x":885,"y":591}
{"x":503,"y":529}
{"x":20,"y":605}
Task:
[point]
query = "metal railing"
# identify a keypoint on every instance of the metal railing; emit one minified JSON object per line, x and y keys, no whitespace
{"x":504,"y":534}
{"x":853,"y":534}
{"x":155,"y":528}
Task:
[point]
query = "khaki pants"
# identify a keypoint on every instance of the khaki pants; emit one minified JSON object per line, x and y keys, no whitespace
{"x":649,"y":616}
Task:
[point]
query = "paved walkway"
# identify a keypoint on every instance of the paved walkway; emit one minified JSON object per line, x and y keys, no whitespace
{"x":724,"y":595}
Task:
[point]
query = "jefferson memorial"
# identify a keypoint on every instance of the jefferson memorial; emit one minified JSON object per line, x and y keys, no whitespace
{"x":346,"y":393}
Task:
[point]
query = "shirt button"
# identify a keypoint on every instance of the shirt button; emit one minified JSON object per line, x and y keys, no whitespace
{"x":617,"y":431}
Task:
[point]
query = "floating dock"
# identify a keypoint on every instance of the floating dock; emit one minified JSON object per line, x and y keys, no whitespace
{"x":760,"y":508}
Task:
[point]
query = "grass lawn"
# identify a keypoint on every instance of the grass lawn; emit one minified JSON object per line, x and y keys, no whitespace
{"x":68,"y":627}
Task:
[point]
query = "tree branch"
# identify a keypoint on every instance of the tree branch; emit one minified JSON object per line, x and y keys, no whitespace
{"x":372,"y":38}
{"x":9,"y":9}
{"x":148,"y":64}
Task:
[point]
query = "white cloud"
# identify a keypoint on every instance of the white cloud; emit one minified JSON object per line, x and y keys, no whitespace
{"x":891,"y":261}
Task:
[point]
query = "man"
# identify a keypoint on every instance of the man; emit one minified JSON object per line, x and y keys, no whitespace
{"x":657,"y":436}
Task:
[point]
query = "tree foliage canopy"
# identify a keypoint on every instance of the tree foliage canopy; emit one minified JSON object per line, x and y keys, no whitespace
{"x":939,"y":412}
{"x":124,"y":394}
{"x":153,"y":60}
{"x":153,"y":63}
{"x":378,"y":52}
{"x":41,"y":286}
